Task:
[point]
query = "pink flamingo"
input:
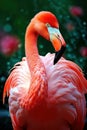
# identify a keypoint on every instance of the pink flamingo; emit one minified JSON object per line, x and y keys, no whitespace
{"x":45,"y":94}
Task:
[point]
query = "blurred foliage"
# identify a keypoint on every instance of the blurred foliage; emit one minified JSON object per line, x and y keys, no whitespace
{"x":15,"y":16}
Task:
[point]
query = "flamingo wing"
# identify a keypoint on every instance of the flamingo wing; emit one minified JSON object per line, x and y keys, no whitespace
{"x":17,"y":85}
{"x":19,"y":76}
{"x":67,"y":86}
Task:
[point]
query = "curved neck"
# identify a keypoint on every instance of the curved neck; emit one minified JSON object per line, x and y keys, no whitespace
{"x":31,"y":49}
{"x":38,"y":85}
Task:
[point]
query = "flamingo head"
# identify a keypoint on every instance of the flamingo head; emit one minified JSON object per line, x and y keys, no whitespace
{"x":46,"y":24}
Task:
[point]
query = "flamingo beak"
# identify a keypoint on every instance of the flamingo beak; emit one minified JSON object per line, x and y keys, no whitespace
{"x":57,"y":42}
{"x":58,"y":54}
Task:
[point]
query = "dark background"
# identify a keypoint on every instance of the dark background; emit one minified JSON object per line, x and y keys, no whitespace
{"x":15,"y":16}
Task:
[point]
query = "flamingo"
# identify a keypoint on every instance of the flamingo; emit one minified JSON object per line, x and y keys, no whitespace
{"x":46,"y":92}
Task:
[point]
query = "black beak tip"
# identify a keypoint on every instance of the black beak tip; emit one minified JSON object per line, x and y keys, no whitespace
{"x":54,"y":62}
{"x":58,"y":54}
{"x":55,"y":59}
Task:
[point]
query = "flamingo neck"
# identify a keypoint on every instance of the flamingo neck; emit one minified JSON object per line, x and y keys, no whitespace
{"x":38,"y":86}
{"x":31,"y":51}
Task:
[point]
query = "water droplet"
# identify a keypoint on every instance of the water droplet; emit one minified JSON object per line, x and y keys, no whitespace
{"x":84,"y":23}
{"x":41,"y":46}
{"x":83,"y":35}
{"x":60,"y":16}
{"x":2,"y":79}
{"x":67,"y":16}
{"x":8,"y":65}
{"x":8,"y":19}
{"x":81,"y":59}
{"x":19,"y":45}
{"x":21,"y":10}
{"x":7,"y":27}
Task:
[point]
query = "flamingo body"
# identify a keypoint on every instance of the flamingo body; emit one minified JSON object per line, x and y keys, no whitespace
{"x":51,"y":97}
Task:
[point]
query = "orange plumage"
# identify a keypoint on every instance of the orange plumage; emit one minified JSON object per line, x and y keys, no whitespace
{"x":44,"y":96}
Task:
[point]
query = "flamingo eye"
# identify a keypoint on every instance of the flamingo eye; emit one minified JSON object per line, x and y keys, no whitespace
{"x":47,"y":24}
